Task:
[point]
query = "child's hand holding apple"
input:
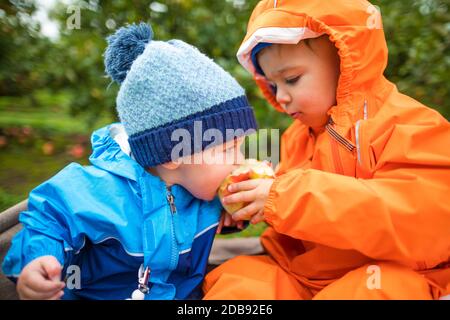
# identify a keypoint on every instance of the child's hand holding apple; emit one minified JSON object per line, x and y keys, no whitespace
{"x":244,"y":192}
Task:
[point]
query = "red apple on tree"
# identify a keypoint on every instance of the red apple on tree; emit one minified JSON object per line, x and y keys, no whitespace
{"x":250,"y":169}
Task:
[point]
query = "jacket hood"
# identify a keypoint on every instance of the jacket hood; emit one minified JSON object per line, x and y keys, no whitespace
{"x":354,"y":27}
{"x":111,"y":152}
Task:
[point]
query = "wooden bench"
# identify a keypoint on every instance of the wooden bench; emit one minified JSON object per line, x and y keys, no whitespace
{"x":9,"y":226}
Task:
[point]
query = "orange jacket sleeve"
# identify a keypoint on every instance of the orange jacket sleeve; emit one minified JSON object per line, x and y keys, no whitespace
{"x":401,"y":214}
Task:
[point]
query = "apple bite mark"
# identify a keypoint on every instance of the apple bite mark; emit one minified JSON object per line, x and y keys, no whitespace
{"x":249,"y":170}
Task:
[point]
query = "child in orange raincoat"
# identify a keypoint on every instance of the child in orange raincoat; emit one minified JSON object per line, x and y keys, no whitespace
{"x":359,"y":208}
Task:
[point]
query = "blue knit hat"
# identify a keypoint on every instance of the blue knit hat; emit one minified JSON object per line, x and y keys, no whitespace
{"x":171,"y":85}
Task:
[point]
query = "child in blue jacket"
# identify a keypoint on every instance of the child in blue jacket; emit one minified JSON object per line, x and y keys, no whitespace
{"x":139,"y":222}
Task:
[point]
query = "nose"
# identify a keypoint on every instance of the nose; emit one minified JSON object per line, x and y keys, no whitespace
{"x":283,"y":97}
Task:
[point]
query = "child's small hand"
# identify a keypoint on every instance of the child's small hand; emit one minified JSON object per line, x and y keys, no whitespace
{"x":255,"y":193}
{"x":227,"y":221}
{"x":40,"y":279}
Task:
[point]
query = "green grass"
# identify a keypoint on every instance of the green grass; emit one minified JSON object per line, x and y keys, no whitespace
{"x":47,"y":112}
{"x":24,"y":168}
{"x":48,"y":121}
{"x":54,"y":121}
{"x":251,"y":231}
{"x":7,"y":199}
{"x":22,"y":161}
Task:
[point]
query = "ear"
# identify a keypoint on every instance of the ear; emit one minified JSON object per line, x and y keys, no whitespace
{"x":171,"y":165}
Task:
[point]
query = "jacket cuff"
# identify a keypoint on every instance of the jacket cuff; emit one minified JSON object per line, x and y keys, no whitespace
{"x":271,"y":215}
{"x":19,"y":256}
{"x":50,"y":248}
{"x":269,"y":206}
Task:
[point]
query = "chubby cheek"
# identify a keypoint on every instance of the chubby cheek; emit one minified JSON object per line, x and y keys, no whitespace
{"x":217,"y":176}
{"x":205,"y":184}
{"x":204,"y":193}
{"x":200,"y":190}
{"x":317,"y":93}
{"x":314,"y":104}
{"x":304,"y":101}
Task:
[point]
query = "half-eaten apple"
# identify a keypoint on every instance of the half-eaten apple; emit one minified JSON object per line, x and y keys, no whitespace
{"x":250,"y":169}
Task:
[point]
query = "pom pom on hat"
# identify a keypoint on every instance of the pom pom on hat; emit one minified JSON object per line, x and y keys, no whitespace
{"x":124,"y":47}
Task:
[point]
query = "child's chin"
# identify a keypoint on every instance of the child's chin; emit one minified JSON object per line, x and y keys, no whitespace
{"x":204,"y":196}
{"x":209,"y":198}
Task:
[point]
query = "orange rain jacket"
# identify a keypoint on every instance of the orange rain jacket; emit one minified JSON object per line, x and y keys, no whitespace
{"x":374,"y":186}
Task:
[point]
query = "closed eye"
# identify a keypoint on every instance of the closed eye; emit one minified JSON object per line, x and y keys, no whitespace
{"x":292,"y":80}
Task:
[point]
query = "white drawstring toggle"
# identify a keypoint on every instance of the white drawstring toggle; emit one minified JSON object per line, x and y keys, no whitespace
{"x":142,"y":290}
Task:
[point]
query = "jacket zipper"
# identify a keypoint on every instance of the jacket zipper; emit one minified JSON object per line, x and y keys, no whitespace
{"x":171,"y":201}
{"x":337,"y":138}
{"x":344,"y":142}
{"x":336,"y":157}
{"x":173,"y":210}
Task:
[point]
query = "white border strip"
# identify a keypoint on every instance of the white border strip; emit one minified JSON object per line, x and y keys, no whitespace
{"x":358,"y":150}
{"x":205,"y":230}
{"x":133,"y":254}
{"x":184,"y":251}
{"x":272,"y":35}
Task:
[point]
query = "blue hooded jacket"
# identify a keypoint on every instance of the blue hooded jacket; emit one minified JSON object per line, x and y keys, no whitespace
{"x":107,"y":219}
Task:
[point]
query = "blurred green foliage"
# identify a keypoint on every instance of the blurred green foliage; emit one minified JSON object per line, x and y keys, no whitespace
{"x":418,"y":37}
{"x":418,"y":34}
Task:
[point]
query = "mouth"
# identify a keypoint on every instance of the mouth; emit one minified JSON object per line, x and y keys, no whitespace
{"x":295,"y":115}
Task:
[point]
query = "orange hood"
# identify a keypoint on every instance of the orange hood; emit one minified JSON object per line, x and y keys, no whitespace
{"x":353,"y":26}
{"x":374,"y":184}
